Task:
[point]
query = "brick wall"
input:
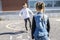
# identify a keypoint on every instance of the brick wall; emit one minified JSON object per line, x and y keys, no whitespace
{"x":8,"y":5}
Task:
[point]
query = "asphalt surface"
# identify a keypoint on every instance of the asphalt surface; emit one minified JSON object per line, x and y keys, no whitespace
{"x":13,"y":29}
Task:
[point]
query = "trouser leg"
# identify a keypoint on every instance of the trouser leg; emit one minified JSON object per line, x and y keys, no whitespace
{"x":26,"y":24}
{"x":29,"y":23}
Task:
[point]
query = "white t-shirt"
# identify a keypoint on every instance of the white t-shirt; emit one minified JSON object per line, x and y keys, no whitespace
{"x":25,"y":12}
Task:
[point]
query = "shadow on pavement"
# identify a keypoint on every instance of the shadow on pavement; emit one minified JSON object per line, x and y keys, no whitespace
{"x":13,"y":33}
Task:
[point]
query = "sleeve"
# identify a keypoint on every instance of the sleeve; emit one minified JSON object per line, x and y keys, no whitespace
{"x":20,"y":13}
{"x":33,"y":27}
{"x":30,"y":11}
{"x":48,"y":26}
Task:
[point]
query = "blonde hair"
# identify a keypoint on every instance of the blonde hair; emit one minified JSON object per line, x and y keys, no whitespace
{"x":40,"y":6}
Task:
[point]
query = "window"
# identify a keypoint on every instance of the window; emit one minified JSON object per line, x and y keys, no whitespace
{"x":31,"y":4}
{"x":48,"y":3}
{"x":56,"y":3}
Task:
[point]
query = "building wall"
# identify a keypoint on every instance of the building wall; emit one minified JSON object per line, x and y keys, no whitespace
{"x":0,"y":6}
{"x":9,"y":5}
{"x":49,"y":4}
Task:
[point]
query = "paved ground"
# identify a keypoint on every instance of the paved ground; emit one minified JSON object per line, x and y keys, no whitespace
{"x":13,"y":30}
{"x":17,"y":26}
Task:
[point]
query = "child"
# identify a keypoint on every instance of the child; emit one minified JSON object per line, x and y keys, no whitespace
{"x":40,"y":23}
{"x":25,"y":12}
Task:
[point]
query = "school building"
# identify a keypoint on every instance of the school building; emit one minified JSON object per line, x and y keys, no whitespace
{"x":9,"y":5}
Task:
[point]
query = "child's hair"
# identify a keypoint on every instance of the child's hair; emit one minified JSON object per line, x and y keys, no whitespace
{"x":40,"y":5}
{"x":24,"y":3}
